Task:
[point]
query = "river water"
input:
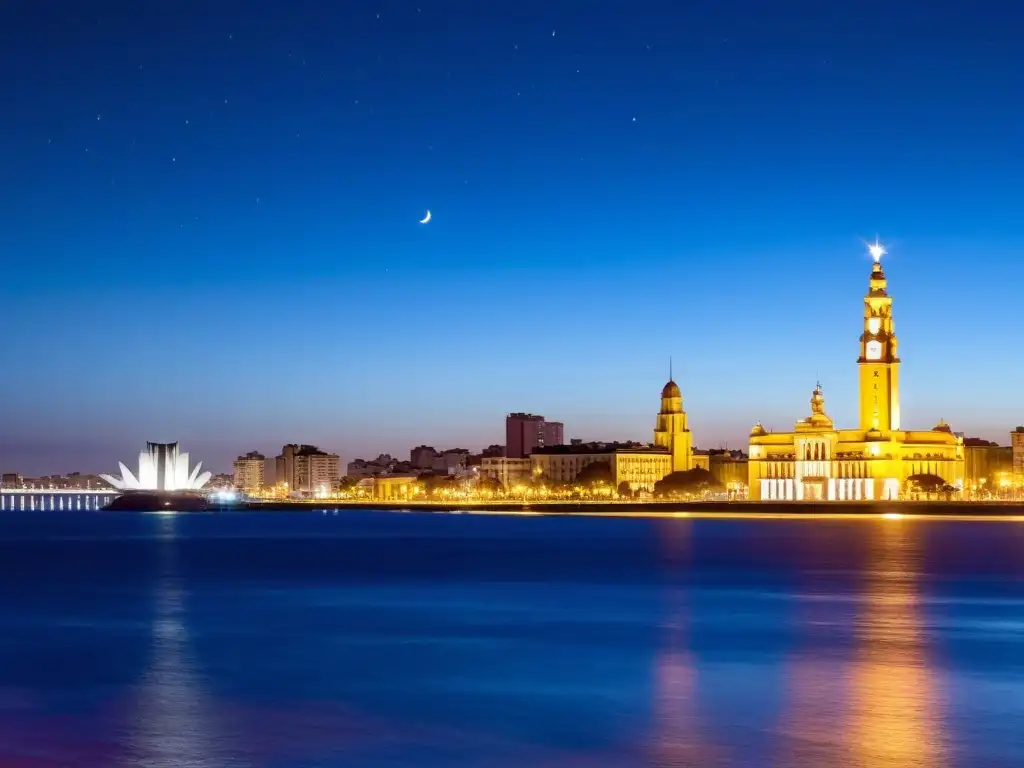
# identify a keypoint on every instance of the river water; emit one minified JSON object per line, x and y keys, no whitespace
{"x":399,"y":639}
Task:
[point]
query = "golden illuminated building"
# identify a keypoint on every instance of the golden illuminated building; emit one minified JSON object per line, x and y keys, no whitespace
{"x":505,"y":471}
{"x":394,"y":487}
{"x":727,"y":468}
{"x":671,"y":431}
{"x":1017,"y":450}
{"x":636,"y":466}
{"x":816,"y":461}
{"x":987,"y":466}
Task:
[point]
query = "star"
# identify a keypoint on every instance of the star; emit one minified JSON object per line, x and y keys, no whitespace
{"x":877,"y":250}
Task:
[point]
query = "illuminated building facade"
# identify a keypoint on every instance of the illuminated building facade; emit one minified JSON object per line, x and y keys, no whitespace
{"x":987,"y":466}
{"x":640,"y":467}
{"x":728,"y":468}
{"x":507,"y":472}
{"x":394,"y":487}
{"x":307,"y":469}
{"x":816,"y":461}
{"x":1017,"y":449}
{"x":671,"y":431}
{"x":249,"y":469}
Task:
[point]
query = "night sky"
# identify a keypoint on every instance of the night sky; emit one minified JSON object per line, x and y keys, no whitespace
{"x":209,"y":218}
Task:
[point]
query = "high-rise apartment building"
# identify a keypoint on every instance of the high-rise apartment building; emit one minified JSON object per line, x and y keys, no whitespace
{"x":525,"y":432}
{"x":306,"y":469}
{"x":249,"y":471}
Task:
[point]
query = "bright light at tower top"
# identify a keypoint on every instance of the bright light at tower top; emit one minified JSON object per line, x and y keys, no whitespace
{"x":877,"y":250}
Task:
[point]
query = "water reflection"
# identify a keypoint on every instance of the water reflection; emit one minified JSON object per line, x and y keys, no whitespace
{"x":678,"y":733}
{"x":882,"y":707}
{"x":897,"y":704}
{"x":174,"y":723}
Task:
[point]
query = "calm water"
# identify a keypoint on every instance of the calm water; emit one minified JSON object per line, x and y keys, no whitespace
{"x":386,"y":639}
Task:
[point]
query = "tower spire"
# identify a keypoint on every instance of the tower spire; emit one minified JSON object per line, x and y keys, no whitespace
{"x":670,"y":378}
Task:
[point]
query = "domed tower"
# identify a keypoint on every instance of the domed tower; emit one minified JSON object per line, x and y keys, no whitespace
{"x":671,"y":431}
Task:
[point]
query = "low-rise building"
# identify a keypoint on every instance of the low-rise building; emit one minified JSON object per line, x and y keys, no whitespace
{"x":987,"y":466}
{"x":506,"y":472}
{"x":728,"y":468}
{"x":384,"y":464}
{"x":1017,"y":449}
{"x":394,"y":487}
{"x":451,"y":462}
{"x":636,"y":465}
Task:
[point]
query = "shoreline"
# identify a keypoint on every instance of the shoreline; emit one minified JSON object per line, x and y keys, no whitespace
{"x":986,"y":509}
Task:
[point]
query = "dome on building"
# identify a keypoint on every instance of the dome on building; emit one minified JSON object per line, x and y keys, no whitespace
{"x":942,"y":426}
{"x":758,"y":430}
{"x":818,"y":418}
{"x":671,"y":390}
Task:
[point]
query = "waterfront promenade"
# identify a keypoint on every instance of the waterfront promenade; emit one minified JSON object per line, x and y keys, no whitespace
{"x":972,"y":509}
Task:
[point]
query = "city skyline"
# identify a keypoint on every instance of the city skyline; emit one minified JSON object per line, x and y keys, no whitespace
{"x":997,"y":435}
{"x":607,"y":190}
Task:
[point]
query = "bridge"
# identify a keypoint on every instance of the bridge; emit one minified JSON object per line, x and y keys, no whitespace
{"x":55,"y":499}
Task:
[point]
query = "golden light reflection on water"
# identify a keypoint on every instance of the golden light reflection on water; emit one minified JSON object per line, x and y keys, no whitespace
{"x":883,"y":708}
{"x":896,"y":700}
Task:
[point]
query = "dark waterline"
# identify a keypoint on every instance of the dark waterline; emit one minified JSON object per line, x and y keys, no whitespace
{"x":359,"y":639}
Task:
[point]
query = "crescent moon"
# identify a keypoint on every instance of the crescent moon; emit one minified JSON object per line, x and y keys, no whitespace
{"x":426,"y":218}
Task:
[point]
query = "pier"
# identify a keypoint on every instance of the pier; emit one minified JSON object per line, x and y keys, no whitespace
{"x":54,"y":499}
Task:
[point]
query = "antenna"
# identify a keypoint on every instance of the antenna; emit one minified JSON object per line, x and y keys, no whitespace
{"x":670,"y":368}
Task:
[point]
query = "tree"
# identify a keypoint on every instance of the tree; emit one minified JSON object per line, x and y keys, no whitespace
{"x":690,"y":482}
{"x":625,"y":491}
{"x":929,"y":484}
{"x":926,"y":482}
{"x":486,"y":483}
{"x":595,"y":473}
{"x":432,"y":483}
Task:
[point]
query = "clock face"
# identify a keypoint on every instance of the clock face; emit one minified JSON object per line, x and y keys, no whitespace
{"x":873,"y":350}
{"x":874,"y":324}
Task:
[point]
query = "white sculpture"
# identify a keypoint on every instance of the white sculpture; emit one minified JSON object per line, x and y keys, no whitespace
{"x":162,"y":467}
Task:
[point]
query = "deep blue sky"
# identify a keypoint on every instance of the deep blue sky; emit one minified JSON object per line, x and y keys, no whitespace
{"x":209,"y":218}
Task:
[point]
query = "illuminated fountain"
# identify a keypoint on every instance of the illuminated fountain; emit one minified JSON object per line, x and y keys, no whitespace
{"x":162,"y":467}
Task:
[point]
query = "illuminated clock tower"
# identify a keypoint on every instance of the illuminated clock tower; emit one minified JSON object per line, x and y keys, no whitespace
{"x":878,"y":363}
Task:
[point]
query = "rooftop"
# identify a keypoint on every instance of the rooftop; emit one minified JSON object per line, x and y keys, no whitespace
{"x":592,"y":448}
